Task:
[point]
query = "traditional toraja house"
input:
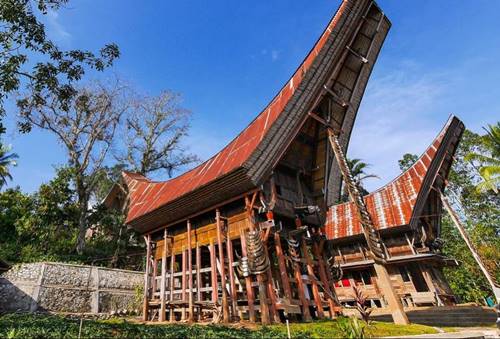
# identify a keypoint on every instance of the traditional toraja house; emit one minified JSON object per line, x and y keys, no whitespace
{"x":407,"y":214}
{"x":242,"y":236}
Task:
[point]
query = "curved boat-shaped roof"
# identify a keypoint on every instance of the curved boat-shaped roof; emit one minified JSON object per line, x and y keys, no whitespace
{"x":401,"y":201}
{"x":243,"y":163}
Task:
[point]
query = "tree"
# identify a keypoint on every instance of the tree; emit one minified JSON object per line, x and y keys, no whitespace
{"x":86,"y":130}
{"x":6,"y":161}
{"x":357,"y":168}
{"x":153,"y":135}
{"x":487,"y":161}
{"x":31,"y":61}
{"x":407,"y":161}
{"x":482,"y":212}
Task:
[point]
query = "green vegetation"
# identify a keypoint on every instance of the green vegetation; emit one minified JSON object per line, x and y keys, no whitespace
{"x":50,"y":326}
{"x":480,"y":209}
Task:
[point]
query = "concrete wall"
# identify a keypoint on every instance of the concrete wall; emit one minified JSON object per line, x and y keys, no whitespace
{"x":61,"y":287}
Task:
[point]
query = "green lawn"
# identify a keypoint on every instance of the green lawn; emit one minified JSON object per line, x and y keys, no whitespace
{"x":51,"y":326}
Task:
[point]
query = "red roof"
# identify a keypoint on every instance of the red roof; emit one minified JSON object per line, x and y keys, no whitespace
{"x":146,"y":195}
{"x":400,"y":202}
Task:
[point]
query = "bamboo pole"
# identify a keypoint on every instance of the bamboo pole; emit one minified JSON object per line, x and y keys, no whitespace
{"x":225,"y":305}
{"x":190,"y":273}
{"x":163,"y":277}
{"x":145,"y":307}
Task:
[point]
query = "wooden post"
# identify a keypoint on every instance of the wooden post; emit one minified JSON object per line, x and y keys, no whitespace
{"x":198,"y":272}
{"x":232,"y":284}
{"x":324,"y":279}
{"x":285,"y":281}
{"x":314,"y":283}
{"x":172,"y":286}
{"x":184,"y":283}
{"x":300,"y":291}
{"x":225,"y":305}
{"x":270,"y":291}
{"x":190,"y":273}
{"x":248,"y":281}
{"x":163,"y":277}
{"x":145,"y":308}
{"x":213,"y":266}
{"x":263,"y":302}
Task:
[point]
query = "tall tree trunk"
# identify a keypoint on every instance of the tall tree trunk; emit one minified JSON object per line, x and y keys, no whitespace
{"x":82,"y":218}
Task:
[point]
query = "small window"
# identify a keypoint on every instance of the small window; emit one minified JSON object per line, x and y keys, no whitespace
{"x":404,"y":274}
{"x":366,"y":277}
{"x":356,"y":275}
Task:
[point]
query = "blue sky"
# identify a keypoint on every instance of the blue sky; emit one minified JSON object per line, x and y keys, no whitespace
{"x":229,"y":58}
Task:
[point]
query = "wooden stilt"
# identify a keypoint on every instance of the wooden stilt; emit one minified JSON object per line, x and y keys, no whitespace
{"x":172,"y":286}
{"x":163,"y":277}
{"x":232,"y":284}
{"x":314,"y":282}
{"x":213,"y":266}
{"x":285,"y":281}
{"x":248,"y":281}
{"x":270,"y":291}
{"x":324,"y":280}
{"x":190,"y":273}
{"x":263,"y":302}
{"x":225,"y":305}
{"x":184,"y":283}
{"x":145,"y":308}
{"x":154,"y":281}
{"x":300,"y":291}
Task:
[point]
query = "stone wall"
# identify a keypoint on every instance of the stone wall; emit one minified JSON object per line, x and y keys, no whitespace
{"x":61,"y":287}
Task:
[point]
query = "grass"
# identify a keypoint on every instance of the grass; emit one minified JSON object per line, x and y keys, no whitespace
{"x":330,"y":329}
{"x":53,"y":326}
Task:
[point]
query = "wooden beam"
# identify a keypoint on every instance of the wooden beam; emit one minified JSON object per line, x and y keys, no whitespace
{"x":190,"y":273}
{"x":184,"y":283}
{"x":172,"y":270}
{"x":163,"y":277}
{"x":145,"y":307}
{"x":300,"y":291}
{"x":232,"y":284}
{"x":225,"y":305}
{"x":271,"y":293}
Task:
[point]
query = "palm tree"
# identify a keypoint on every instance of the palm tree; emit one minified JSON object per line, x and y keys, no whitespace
{"x":6,"y":160}
{"x":489,"y":163}
{"x":357,"y":168}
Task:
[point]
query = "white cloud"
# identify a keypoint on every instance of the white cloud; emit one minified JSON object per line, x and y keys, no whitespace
{"x":55,"y":28}
{"x":275,"y":55}
{"x":397,"y":116}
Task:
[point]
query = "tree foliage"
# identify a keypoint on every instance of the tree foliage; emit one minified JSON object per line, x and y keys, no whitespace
{"x":407,"y":161}
{"x":7,"y":160}
{"x":31,"y":62}
{"x":86,"y":129}
{"x":153,"y":135}
{"x":480,"y":210}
